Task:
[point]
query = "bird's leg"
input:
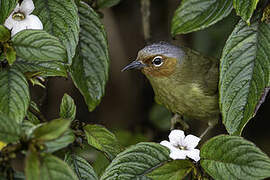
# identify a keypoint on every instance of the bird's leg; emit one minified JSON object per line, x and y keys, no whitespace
{"x":177,"y":119}
{"x":211,"y":124}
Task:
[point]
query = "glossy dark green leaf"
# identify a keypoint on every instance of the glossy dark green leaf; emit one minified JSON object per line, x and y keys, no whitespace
{"x":136,"y":161}
{"x":60,"y":18}
{"x":14,"y":94}
{"x":52,"y":130}
{"x":4,"y":33}
{"x":61,"y":142}
{"x":10,"y":129}
{"x":32,"y":166}
{"x":67,"y":108}
{"x":81,"y":167}
{"x":38,"y":45}
{"x":53,"y":168}
{"x":90,"y":67}
{"x":43,"y":68}
{"x":173,"y":170}
{"x":245,"y":8}
{"x":231,"y":157}
{"x":194,"y":15}
{"x":6,"y":7}
{"x":244,"y":73}
{"x":107,"y":3}
{"x":102,"y":139}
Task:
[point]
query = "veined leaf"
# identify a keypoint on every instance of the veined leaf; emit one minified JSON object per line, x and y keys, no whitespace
{"x":194,"y":15}
{"x":89,"y":70}
{"x":244,"y":73}
{"x":10,"y":129}
{"x":67,"y":108}
{"x":136,"y":161}
{"x":45,"y":68}
{"x":61,"y":142}
{"x":102,"y":139}
{"x":231,"y":157}
{"x":32,"y":166}
{"x":81,"y":167}
{"x":60,"y":18}
{"x":14,"y":94}
{"x":245,"y":8}
{"x":173,"y":170}
{"x":107,"y":3}
{"x":38,"y":45}
{"x":6,"y":7}
{"x":52,"y":129}
{"x":53,"y":168}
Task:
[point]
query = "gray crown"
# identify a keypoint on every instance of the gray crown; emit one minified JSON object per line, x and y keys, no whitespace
{"x":162,"y":48}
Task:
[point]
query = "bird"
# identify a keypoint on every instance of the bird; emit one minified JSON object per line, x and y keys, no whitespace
{"x":183,"y":80}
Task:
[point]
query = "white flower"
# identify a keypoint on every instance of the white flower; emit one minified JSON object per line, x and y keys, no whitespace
{"x":181,"y":146}
{"x":21,"y":18}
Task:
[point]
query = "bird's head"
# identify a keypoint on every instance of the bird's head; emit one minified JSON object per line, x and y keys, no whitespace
{"x":157,"y":60}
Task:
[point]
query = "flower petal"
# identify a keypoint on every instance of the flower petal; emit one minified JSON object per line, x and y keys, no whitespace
{"x":9,"y":23}
{"x":168,"y":145}
{"x":178,"y":154}
{"x":17,"y":8}
{"x":18,"y":26}
{"x":33,"y":22}
{"x":27,"y":7}
{"x":176,"y":137}
{"x":191,"y":141}
{"x":193,"y":154}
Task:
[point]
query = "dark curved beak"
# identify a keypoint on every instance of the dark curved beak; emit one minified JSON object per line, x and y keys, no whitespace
{"x":134,"y":65}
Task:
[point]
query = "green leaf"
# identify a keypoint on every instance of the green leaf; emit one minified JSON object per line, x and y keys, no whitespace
{"x":107,"y":3}
{"x":6,"y":7}
{"x":32,"y":117}
{"x":245,"y":8}
{"x":38,"y":45}
{"x":53,"y":168}
{"x":52,"y":130}
{"x":32,"y":166}
{"x":14,"y":94}
{"x":61,"y":142}
{"x":60,"y":18}
{"x":4,"y":33}
{"x":244,"y":73}
{"x":10,"y":55}
{"x":45,"y":68}
{"x":136,"y":161}
{"x":102,"y":139}
{"x":173,"y":170}
{"x":67,"y":108}
{"x":10,"y":129}
{"x":194,"y":15}
{"x":231,"y":157}
{"x":90,"y":67}
{"x":81,"y":167}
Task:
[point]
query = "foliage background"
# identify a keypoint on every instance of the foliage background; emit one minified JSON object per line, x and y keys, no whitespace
{"x":129,"y":98}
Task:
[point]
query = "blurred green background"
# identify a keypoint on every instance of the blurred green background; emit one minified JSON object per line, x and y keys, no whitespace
{"x":128,"y":108}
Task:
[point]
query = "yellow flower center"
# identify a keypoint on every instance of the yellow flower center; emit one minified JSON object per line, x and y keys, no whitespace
{"x":18,"y":16}
{"x":182,"y":147}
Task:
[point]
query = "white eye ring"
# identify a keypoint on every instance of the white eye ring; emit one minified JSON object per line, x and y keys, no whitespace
{"x":157,"y":61}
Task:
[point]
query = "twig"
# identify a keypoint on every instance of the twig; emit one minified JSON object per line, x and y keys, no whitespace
{"x":145,"y":11}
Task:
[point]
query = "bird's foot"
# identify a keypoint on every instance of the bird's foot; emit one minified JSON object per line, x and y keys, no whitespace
{"x":177,"y":121}
{"x":211,"y":124}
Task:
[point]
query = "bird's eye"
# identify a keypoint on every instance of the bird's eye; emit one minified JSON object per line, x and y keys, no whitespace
{"x":157,"y":61}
